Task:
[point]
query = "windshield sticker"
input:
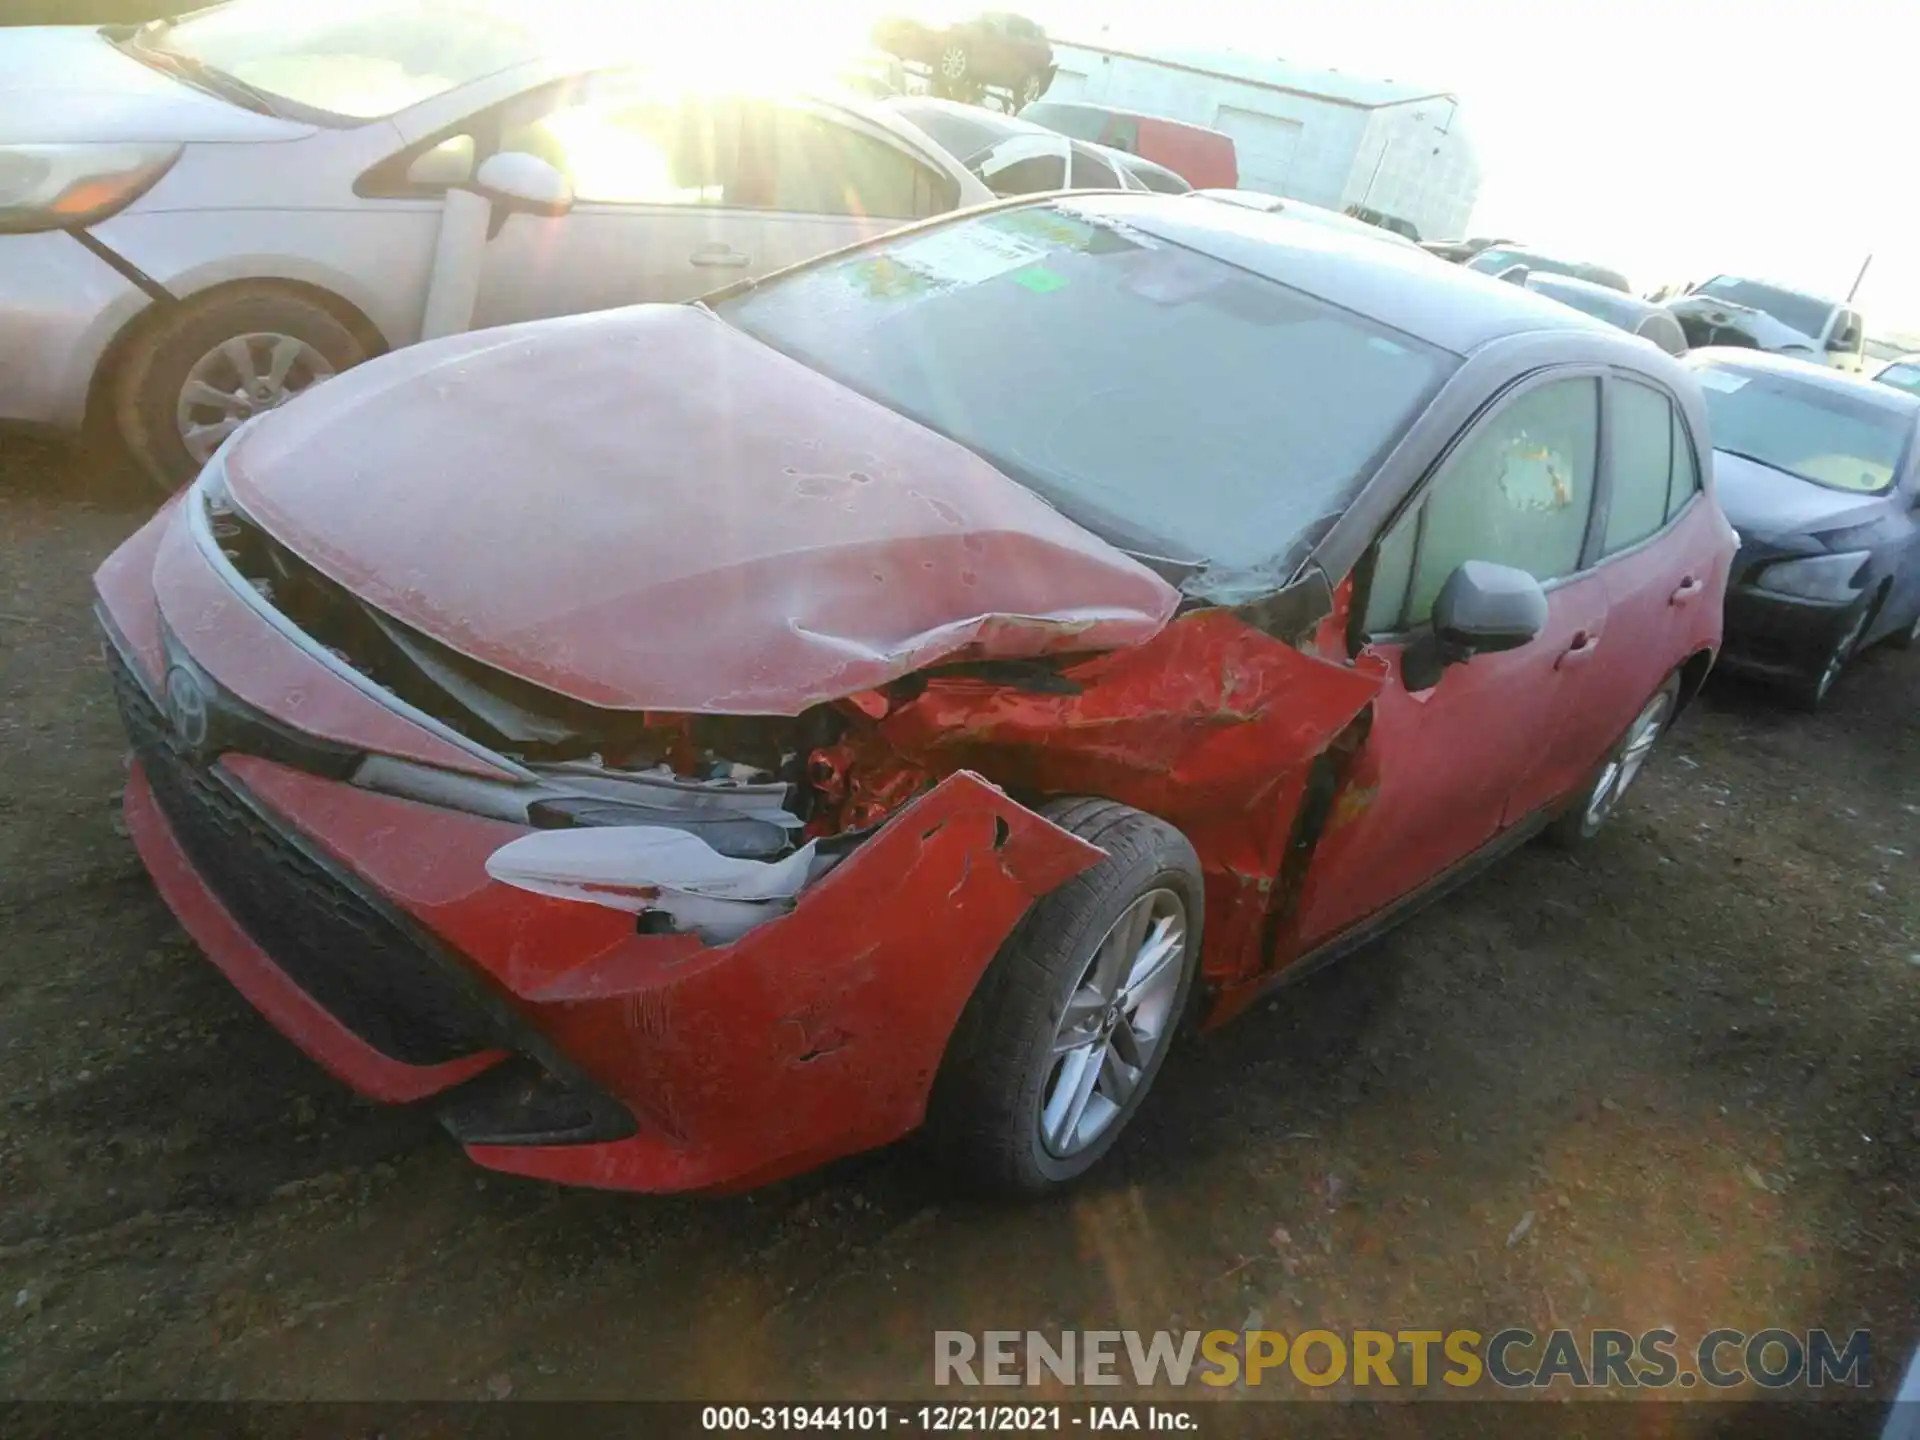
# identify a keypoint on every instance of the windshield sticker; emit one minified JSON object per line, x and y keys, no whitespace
{"x":1039,"y":279}
{"x":968,"y":254}
{"x":1534,"y":477}
{"x":1176,"y":280}
{"x":1720,"y":380}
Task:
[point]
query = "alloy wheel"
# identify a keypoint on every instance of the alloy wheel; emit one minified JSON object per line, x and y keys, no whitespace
{"x":1623,"y":767}
{"x":953,"y":62}
{"x":238,"y":379}
{"x":1115,"y":1021}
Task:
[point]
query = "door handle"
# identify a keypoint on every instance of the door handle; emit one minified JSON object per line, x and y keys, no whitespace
{"x":720,"y":256}
{"x":1582,"y":649}
{"x":1689,"y":588}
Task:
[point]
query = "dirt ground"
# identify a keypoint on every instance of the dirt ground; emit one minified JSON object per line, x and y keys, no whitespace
{"x":1672,"y":1082}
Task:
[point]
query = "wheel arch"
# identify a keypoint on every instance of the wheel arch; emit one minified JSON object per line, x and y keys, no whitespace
{"x":99,"y":409}
{"x":1877,"y":608}
{"x":1693,"y":675}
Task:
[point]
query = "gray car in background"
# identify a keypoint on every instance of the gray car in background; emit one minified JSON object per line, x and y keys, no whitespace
{"x":200,"y":219}
{"x":1757,"y":315}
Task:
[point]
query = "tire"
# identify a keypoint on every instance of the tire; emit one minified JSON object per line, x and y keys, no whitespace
{"x":1599,"y":796}
{"x":1003,"y":1080}
{"x":191,"y":345}
{"x":1816,"y":686}
{"x":951,"y":63}
{"x":1907,"y":639}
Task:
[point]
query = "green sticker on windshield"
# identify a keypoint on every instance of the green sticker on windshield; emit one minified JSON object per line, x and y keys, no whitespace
{"x":1039,"y":279}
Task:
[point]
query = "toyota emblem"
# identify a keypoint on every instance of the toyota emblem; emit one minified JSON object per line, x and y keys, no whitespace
{"x":187,"y":707}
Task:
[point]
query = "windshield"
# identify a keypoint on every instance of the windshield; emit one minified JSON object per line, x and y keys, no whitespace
{"x":1177,"y":406}
{"x":1823,"y":435}
{"x":1901,"y":376}
{"x":961,"y":135}
{"x":1805,"y":313}
{"x":354,"y":59}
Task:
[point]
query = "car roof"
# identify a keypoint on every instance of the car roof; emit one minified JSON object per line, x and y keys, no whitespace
{"x":1139,"y":164}
{"x":1401,"y":286}
{"x":993,"y":121}
{"x":1573,"y":287}
{"x":1814,"y":376}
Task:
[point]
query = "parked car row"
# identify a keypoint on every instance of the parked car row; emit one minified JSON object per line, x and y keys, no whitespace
{"x":1727,"y":310}
{"x":573,"y":720}
{"x":1820,"y":474}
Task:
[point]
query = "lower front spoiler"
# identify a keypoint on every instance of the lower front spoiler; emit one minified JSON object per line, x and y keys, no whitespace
{"x":292,"y":1011}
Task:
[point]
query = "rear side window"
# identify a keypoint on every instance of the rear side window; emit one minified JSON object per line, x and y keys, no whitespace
{"x":819,"y":167}
{"x":1685,"y":483}
{"x":1641,"y":427}
{"x":1517,"y":491}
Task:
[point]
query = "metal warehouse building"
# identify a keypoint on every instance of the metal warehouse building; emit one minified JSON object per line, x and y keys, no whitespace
{"x":1315,"y":135}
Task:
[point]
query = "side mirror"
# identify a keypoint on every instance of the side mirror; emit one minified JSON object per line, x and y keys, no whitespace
{"x":1481,"y":610}
{"x":514,"y":182}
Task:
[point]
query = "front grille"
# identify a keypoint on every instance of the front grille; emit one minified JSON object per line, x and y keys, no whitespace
{"x":356,"y":962}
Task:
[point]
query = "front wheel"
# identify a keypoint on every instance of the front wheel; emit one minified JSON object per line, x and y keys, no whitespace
{"x":1616,"y":772}
{"x":953,"y":63}
{"x":1817,"y":686}
{"x":1062,"y":1039}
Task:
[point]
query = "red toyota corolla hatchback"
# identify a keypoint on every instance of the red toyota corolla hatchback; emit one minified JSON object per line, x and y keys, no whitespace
{"x":695,"y":742}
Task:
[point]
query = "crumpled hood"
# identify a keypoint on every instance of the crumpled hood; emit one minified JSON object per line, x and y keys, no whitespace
{"x":64,"y":84}
{"x":1760,"y":500}
{"x":1767,"y":332}
{"x":647,"y":509}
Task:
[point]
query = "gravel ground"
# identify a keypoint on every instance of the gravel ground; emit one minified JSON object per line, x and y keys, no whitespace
{"x":1671,"y":1082}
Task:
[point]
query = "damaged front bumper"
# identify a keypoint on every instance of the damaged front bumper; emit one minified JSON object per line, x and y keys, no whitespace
{"x":564,"y":1043}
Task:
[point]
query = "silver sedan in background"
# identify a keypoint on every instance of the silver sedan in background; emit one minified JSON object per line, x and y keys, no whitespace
{"x":201,"y":218}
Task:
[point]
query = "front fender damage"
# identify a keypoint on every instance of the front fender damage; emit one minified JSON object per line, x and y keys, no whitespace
{"x":817,"y":1031}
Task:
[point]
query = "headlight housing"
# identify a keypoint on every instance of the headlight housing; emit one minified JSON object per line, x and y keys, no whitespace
{"x":1817,"y":577}
{"x":56,"y":187}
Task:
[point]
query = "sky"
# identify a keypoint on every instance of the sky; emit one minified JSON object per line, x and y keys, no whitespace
{"x":1671,"y":140}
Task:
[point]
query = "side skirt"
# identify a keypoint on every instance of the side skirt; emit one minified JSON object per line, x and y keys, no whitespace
{"x":1467,"y":868}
